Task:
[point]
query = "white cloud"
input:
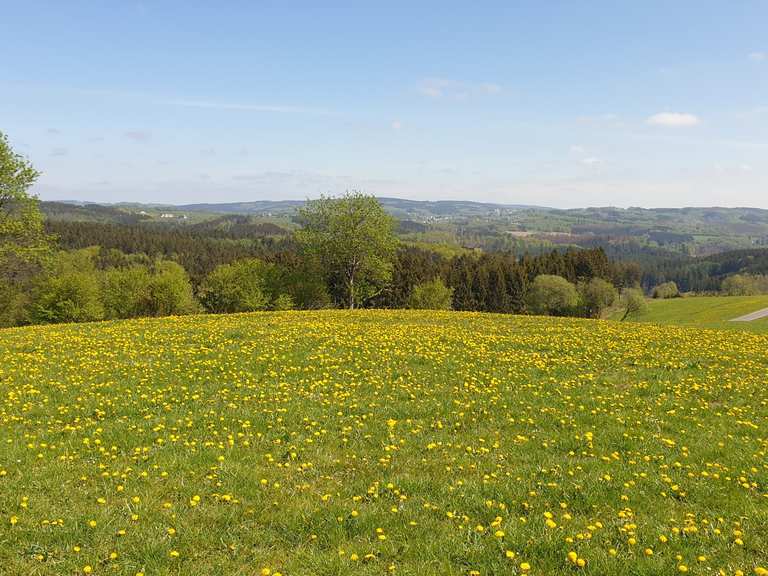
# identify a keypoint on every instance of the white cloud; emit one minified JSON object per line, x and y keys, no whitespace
{"x":758,"y":56}
{"x":396,"y":125}
{"x":674,"y":119}
{"x":591,"y":161}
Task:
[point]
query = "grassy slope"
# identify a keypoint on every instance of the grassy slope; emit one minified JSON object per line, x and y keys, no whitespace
{"x":374,"y":442}
{"x":705,"y":312}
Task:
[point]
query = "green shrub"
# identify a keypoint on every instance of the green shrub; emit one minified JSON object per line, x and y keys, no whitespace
{"x":745,"y":285}
{"x":633,"y":302}
{"x":126,"y":292}
{"x":596,"y":295}
{"x":68,"y":297}
{"x":283,"y":302}
{"x":666,"y":290}
{"x":14,"y":305}
{"x":432,"y":295}
{"x":552,"y":295}
{"x":170,"y":291}
{"x":241,"y":286}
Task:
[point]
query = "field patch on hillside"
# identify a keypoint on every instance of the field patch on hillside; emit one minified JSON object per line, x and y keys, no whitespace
{"x":704,"y":312}
{"x":375,"y":442}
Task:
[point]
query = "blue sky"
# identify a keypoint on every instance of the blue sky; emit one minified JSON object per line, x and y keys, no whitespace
{"x":551,"y":103}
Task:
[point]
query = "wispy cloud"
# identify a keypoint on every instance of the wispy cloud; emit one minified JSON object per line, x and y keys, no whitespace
{"x":674,"y":119}
{"x":758,"y":56}
{"x":138,"y":135}
{"x":245,"y":107}
{"x":181,"y":101}
{"x":59,"y":152}
{"x":434,"y":87}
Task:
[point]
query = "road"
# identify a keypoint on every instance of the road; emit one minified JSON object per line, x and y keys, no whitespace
{"x":752,"y":316}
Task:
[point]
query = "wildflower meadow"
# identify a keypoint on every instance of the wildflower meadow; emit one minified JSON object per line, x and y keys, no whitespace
{"x":382,"y":442}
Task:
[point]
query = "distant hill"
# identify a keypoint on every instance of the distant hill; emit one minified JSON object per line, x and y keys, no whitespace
{"x":74,"y":212}
{"x":638,"y":233}
{"x":398,"y":207}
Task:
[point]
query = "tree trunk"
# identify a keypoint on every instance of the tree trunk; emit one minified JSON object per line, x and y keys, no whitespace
{"x":626,"y":313}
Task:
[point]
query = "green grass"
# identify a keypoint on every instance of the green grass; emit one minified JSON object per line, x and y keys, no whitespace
{"x":374,"y":442}
{"x":704,"y":312}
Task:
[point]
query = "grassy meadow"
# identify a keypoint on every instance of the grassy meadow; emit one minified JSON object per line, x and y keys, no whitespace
{"x":378,"y":442}
{"x":704,"y":312}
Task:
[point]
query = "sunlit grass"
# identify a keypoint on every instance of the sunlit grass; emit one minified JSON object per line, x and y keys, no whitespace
{"x":704,"y":312}
{"x":382,"y":443}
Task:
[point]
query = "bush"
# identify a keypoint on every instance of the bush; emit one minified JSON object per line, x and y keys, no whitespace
{"x":744,"y":285}
{"x":432,"y":295}
{"x":237,"y":287}
{"x":666,"y":290}
{"x":283,"y":302}
{"x":633,"y":302}
{"x":552,"y":295}
{"x":300,"y":279}
{"x":69,"y":297}
{"x":596,"y":296}
{"x":14,"y":304}
{"x":126,"y":292}
{"x":170,"y":292}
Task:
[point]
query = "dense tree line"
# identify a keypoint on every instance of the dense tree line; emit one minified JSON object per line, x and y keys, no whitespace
{"x":704,"y":274}
{"x":344,"y":253}
{"x":494,"y":282}
{"x":96,"y":282}
{"x":198,"y":250}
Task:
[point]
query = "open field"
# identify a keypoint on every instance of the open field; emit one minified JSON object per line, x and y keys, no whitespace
{"x":705,"y":312}
{"x":377,"y":442}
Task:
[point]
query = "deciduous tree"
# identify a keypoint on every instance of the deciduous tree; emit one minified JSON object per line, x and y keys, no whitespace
{"x":24,"y":245}
{"x":353,"y":238}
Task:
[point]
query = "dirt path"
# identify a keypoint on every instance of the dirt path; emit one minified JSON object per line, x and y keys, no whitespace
{"x":752,"y":316}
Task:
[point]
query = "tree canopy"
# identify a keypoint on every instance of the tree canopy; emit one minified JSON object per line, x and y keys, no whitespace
{"x":23,"y":243}
{"x":353,"y":239}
